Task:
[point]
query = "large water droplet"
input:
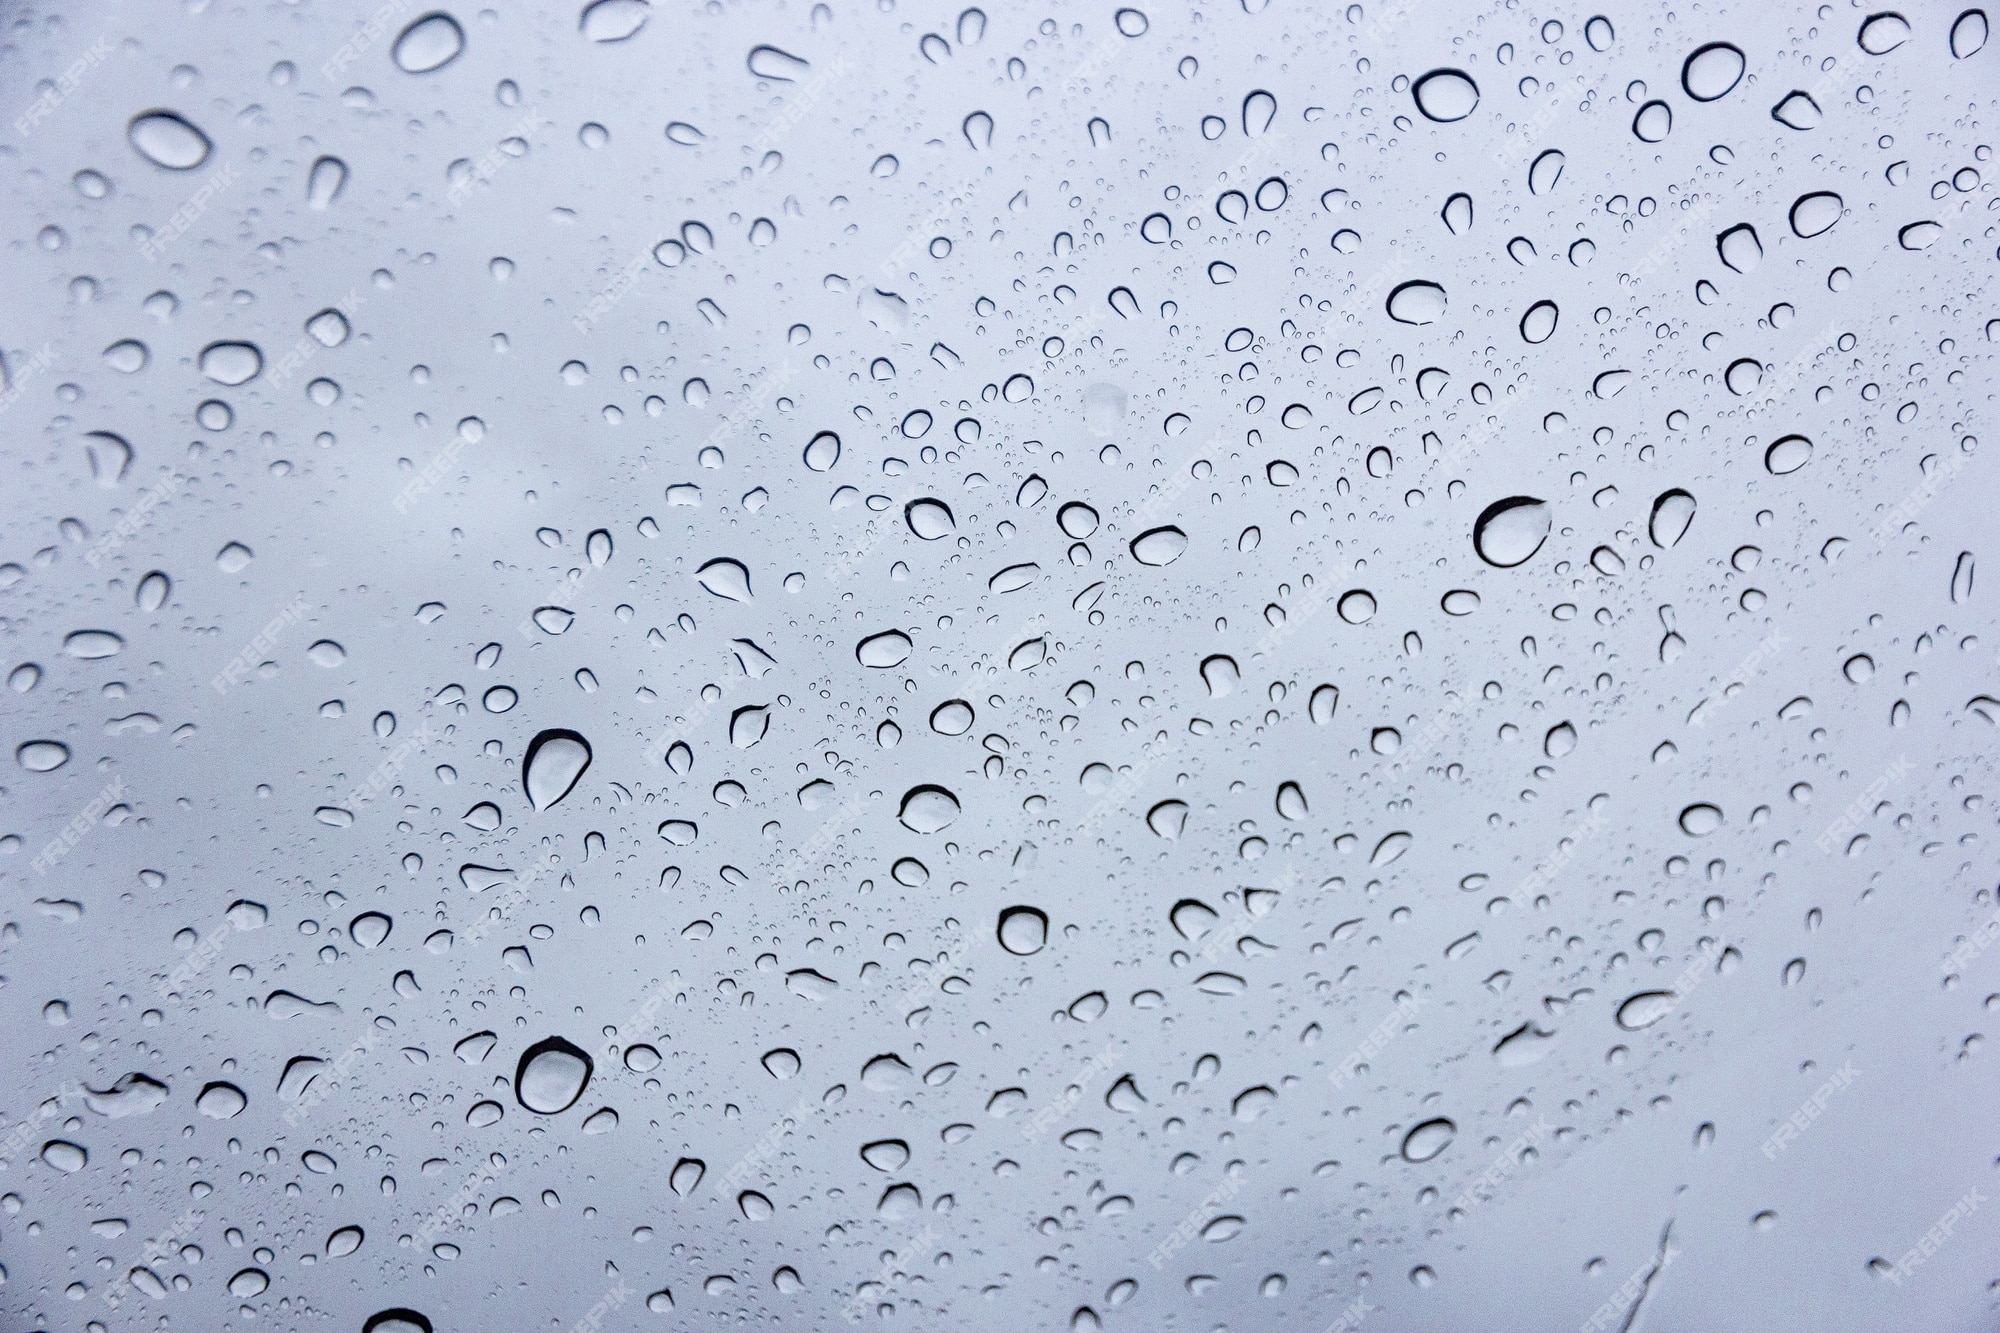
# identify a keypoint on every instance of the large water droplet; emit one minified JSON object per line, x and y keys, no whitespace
{"x":887,"y":649}
{"x":1159,"y":546}
{"x":726,"y":578}
{"x":930,"y":519}
{"x":167,"y":140}
{"x":1712,"y":71}
{"x":1968,"y":33}
{"x":1445,"y":95}
{"x":551,"y":1075}
{"x":1023,"y":930}
{"x":768,"y":62}
{"x":555,"y":761}
{"x":430,"y":42}
{"x":1645,"y":1009}
{"x":927,"y":808}
{"x":1429,"y":1139}
{"x":612,"y":20}
{"x":1882,"y":33}
{"x":1418,"y":302}
{"x":1509,"y":531}
{"x":231,"y":363}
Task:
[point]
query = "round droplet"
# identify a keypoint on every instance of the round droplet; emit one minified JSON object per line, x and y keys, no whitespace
{"x":1445,"y":95}
{"x":555,"y":760}
{"x":1023,"y":930}
{"x":822,"y":451}
{"x":551,"y":1075}
{"x":1700,"y":820}
{"x":1159,"y":546}
{"x":929,"y":519}
{"x":1077,"y":520}
{"x":430,"y":42}
{"x":1814,"y":214}
{"x":369,"y":929}
{"x":1417,"y":302}
{"x":1712,"y":71}
{"x":927,"y":809}
{"x":167,"y":140}
{"x":1429,"y":1139}
{"x":231,"y":363}
{"x":953,"y":717}
{"x":1510,"y":531}
{"x":1859,"y":669}
{"x":397,"y":1321}
{"x":1356,"y":607}
{"x":1744,"y":375}
{"x":1131,"y":22}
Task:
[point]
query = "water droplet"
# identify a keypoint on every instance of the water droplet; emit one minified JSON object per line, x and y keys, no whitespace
{"x":1968,"y":33}
{"x":1654,"y":121}
{"x":1389,"y":849}
{"x":768,"y":62}
{"x":1712,"y":71}
{"x":92,"y":644}
{"x":430,"y":42}
{"x":1510,"y":531}
{"x":1787,"y":455}
{"x":1325,"y":699}
{"x":551,"y":1075}
{"x":887,"y":649}
{"x":1445,"y":95}
{"x":1159,"y":546}
{"x":1814,"y":214}
{"x":343,"y":1242}
{"x":1023,"y":930}
{"x":1168,"y":819}
{"x":726,"y":578}
{"x":1645,"y":1009}
{"x":929,"y":519}
{"x":612,"y":20}
{"x":1417,"y":302}
{"x":927,"y":809}
{"x":1356,"y":607}
{"x":1882,"y":33}
{"x":1538,"y":325}
{"x":231,"y":363}
{"x":686,"y":1175}
{"x":167,"y":140}
{"x":1545,"y":171}
{"x":1700,"y":820}
{"x":42,"y":756}
{"x":1428,"y":1139}
{"x":1796,"y":110}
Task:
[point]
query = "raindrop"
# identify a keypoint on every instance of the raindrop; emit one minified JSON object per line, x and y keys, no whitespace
{"x":1968,"y":33}
{"x":929,"y":519}
{"x":612,"y":20}
{"x":1428,"y":1139}
{"x":1712,"y":71}
{"x":1418,"y":302}
{"x":927,"y":809}
{"x":1654,"y":121}
{"x":1796,"y":110}
{"x":231,"y":363}
{"x":1023,"y":930}
{"x":1814,"y":214}
{"x":1739,"y":247}
{"x":167,"y":140}
{"x":1539,"y":324}
{"x":1645,"y":1009}
{"x":1787,"y":455}
{"x":429,"y":43}
{"x":726,"y":578}
{"x":887,"y":649}
{"x":551,"y":1075}
{"x":555,"y":761}
{"x":1510,"y":531}
{"x":1159,"y":546}
{"x":1445,"y":95}
{"x":1882,"y":33}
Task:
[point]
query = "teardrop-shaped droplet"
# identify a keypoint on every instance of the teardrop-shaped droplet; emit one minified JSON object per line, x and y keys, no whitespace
{"x":929,"y":519}
{"x":1159,"y":546}
{"x":555,"y":761}
{"x":726,"y":578}
{"x":1428,"y":1139}
{"x":1672,"y":512}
